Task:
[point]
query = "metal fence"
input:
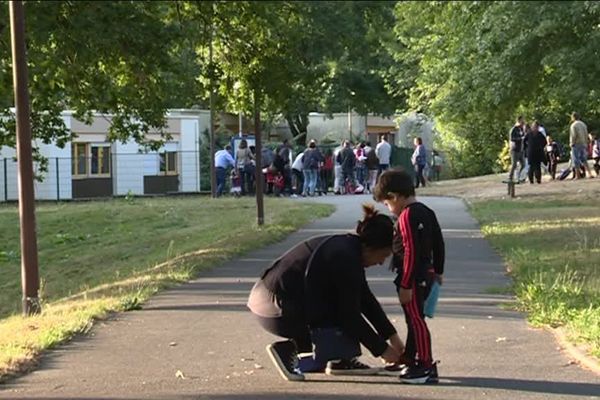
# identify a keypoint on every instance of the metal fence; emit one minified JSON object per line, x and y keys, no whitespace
{"x":111,"y":174}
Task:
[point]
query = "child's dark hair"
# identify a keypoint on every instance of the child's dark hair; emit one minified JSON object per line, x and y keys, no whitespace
{"x":375,"y":230}
{"x":394,"y":181}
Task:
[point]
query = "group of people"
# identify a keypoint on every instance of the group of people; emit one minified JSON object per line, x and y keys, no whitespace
{"x":357,"y":167}
{"x":533,"y":149}
{"x":348,"y":169}
{"x":276,"y":165}
{"x":316,"y":295}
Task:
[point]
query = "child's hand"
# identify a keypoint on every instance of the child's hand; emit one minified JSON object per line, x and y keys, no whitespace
{"x":405,"y":295}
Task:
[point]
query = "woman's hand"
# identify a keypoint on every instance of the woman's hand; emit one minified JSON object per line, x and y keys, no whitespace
{"x":390,"y":355}
{"x":405,"y":295}
{"x":396,"y":343}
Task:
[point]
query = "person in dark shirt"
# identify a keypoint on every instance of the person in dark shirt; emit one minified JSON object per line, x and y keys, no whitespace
{"x":317,"y":293}
{"x":535,"y":153}
{"x":552,"y":152}
{"x":418,"y":258}
{"x":517,"y":147}
{"x":347,"y":160}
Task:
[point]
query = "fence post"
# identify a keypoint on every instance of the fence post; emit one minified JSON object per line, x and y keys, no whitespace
{"x":5,"y":180}
{"x":57,"y":181}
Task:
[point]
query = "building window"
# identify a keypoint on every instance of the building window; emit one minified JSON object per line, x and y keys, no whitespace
{"x":100,"y":160}
{"x":79,"y":159}
{"x":168,"y":163}
{"x":90,"y":160}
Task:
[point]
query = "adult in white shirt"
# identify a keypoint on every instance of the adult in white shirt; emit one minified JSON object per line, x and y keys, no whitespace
{"x":383,"y":152}
{"x":223,"y":160}
{"x":298,"y":177}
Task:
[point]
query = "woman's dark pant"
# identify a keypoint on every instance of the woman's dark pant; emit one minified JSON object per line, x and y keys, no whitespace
{"x":420,"y":179}
{"x":290,"y":328}
{"x":552,"y":169}
{"x":535,"y":169}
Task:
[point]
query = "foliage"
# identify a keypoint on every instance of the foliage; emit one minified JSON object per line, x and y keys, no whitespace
{"x":556,"y":285}
{"x":121,"y":58}
{"x":474,"y":66}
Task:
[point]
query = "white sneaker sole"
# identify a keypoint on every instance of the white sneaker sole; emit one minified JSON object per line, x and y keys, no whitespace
{"x":385,"y":372}
{"x":285,"y":374}
{"x":351,"y":372}
{"x":415,"y":381}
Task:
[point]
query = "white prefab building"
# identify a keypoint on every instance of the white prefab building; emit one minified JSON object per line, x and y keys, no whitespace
{"x":91,"y":166}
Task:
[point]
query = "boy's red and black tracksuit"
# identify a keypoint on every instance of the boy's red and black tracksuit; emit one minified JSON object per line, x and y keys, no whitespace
{"x":418,"y":257}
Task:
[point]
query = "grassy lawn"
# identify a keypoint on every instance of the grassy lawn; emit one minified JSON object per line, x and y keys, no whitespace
{"x":103,"y":256}
{"x":550,"y":238}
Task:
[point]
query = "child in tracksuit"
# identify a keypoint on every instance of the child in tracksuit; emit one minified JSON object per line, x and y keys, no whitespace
{"x":418,"y":259}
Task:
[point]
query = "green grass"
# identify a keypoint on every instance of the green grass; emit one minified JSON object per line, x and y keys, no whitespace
{"x":103,"y":256}
{"x":552,"y":247}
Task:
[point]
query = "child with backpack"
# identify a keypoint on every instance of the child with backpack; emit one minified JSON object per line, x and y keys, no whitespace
{"x":418,"y":259}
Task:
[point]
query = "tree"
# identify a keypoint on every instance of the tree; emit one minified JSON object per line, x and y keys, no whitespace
{"x":476,"y":65}
{"x":122,"y":58}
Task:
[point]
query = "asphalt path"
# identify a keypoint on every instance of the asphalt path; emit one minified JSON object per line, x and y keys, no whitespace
{"x":198,"y":340}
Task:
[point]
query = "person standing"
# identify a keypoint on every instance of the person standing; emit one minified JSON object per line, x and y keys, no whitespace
{"x":552,"y":156}
{"x":244,"y":157}
{"x":517,"y":155}
{"x":595,"y":152}
{"x":317,"y":293}
{"x":419,"y":161}
{"x":372,"y":166}
{"x":578,"y":140}
{"x":284,"y":151}
{"x":418,"y":258}
{"x":347,"y":162}
{"x":383,"y":152}
{"x":310,"y":167}
{"x":298,"y":176}
{"x":337,"y":169}
{"x":326,"y":171}
{"x":223,"y":160}
{"x":361,"y":166}
{"x":535,"y":153}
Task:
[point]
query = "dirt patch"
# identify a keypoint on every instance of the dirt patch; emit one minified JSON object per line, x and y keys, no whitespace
{"x":490,"y":187}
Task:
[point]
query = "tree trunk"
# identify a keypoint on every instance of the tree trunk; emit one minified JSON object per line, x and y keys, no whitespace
{"x":260,"y":209}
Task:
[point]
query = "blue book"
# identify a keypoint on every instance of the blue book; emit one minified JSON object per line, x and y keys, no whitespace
{"x":432,"y":299}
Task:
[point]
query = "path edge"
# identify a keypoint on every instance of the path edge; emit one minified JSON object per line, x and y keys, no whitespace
{"x":582,"y":358}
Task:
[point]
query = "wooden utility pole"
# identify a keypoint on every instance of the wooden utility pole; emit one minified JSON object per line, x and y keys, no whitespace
{"x":260,"y":208}
{"x":30,"y":280}
{"x":211,"y":129}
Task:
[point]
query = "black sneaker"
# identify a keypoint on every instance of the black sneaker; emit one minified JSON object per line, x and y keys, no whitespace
{"x":416,"y":374}
{"x":398,"y":368}
{"x":349,"y":367}
{"x":285,"y":357}
{"x":433,"y":376}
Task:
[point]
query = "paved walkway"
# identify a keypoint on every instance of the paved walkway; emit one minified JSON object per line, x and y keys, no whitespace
{"x":202,"y":332}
